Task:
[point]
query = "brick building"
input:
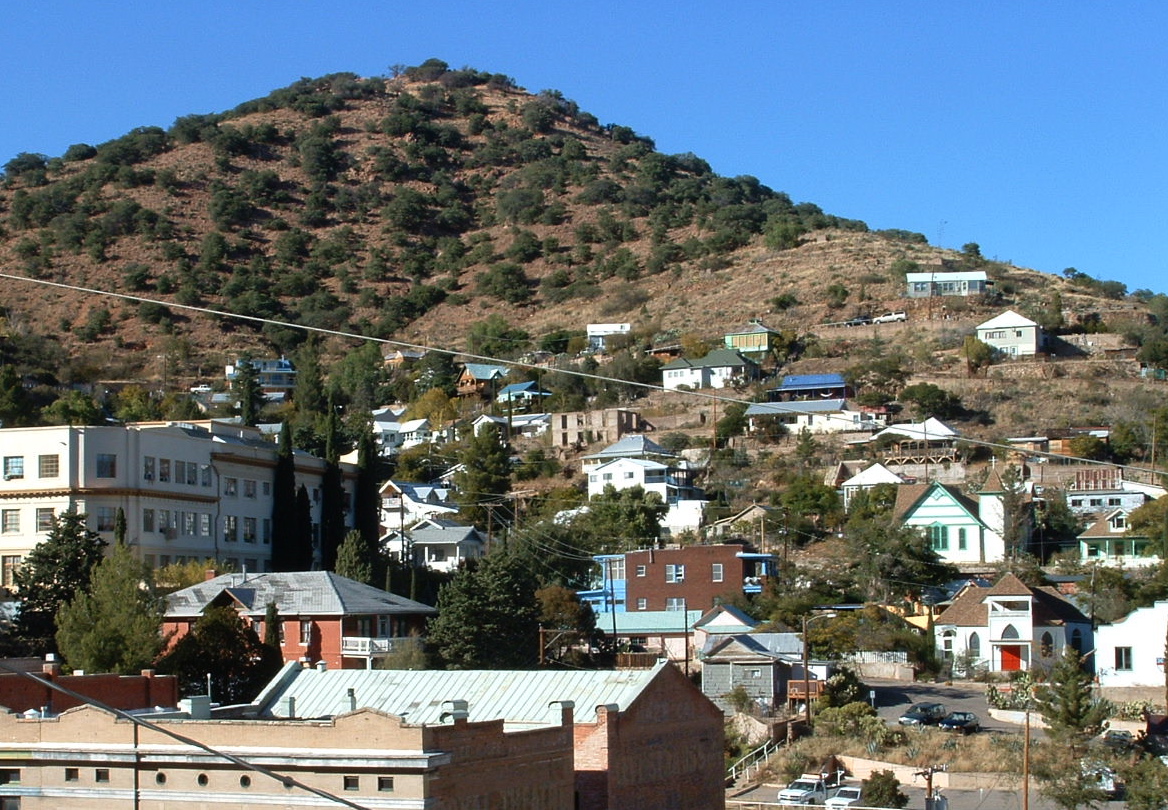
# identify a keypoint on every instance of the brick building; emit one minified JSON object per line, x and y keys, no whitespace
{"x":323,"y":616}
{"x":19,"y":693}
{"x":678,"y":578}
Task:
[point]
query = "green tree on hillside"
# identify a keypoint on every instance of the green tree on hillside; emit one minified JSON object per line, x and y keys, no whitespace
{"x":485,"y":477}
{"x":222,"y":646}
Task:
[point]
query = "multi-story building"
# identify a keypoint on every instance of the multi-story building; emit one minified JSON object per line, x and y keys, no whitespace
{"x":189,"y":490}
{"x":274,"y":376}
{"x":678,"y":578}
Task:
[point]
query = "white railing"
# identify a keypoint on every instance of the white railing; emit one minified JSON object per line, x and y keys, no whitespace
{"x":752,"y":762}
{"x":364,"y":645}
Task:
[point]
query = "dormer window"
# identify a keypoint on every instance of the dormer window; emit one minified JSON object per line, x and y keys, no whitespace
{"x":1119,"y":523}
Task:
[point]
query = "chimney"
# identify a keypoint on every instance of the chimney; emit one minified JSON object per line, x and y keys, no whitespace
{"x":322,"y":666}
{"x":51,"y":667}
{"x":210,"y":574}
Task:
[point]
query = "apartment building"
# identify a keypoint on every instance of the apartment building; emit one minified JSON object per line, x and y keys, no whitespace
{"x":189,"y":490}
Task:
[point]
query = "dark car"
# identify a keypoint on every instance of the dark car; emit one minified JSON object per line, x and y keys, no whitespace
{"x":923,"y":714}
{"x":859,"y":320}
{"x":963,"y":722}
{"x":1117,"y":739}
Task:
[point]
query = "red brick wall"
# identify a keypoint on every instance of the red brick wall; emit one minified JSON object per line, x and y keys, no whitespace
{"x":699,"y":590}
{"x":663,"y":753}
{"x":19,"y":693}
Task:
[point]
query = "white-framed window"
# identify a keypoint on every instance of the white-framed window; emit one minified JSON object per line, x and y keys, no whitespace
{"x":204,"y":475}
{"x":305,"y":632}
{"x":716,"y":572}
{"x":188,"y":523}
{"x":49,"y":466}
{"x":230,"y":529}
{"x":147,"y":468}
{"x":616,"y":568}
{"x":9,"y":565}
{"x":44,"y":519}
{"x":1123,"y":659}
{"x":204,"y":524}
{"x":249,"y":530}
{"x":675,"y":603}
{"x":13,"y":467}
{"x":106,"y":517}
{"x":674,"y":573}
{"x":163,"y":519}
{"x":641,"y":570}
{"x":10,"y":521}
{"x":642,"y":603}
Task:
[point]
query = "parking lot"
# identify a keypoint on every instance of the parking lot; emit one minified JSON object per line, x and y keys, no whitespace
{"x":894,"y":697}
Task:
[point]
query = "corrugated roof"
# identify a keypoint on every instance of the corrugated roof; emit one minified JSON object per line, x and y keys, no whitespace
{"x":296,"y":593}
{"x":485,"y":371}
{"x":522,"y":699}
{"x":797,"y":406}
{"x":1007,"y":319}
{"x":632,"y":447}
{"x":648,"y":622}
{"x":796,"y":382}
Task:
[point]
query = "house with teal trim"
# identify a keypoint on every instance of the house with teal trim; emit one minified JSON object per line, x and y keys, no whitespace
{"x":1110,"y":541}
{"x":962,"y":528}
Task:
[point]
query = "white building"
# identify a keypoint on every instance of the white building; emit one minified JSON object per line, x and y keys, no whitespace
{"x":815,"y":416}
{"x":867,"y":479}
{"x":720,"y":368}
{"x":1130,"y":652}
{"x":1012,"y":335}
{"x":189,"y":490}
{"x":673,"y":484}
{"x":598,"y":334}
{"x":404,"y":503}
{"x":442,"y":545}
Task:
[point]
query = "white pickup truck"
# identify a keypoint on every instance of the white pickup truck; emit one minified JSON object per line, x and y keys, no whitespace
{"x":890,"y":317}
{"x":810,"y":788}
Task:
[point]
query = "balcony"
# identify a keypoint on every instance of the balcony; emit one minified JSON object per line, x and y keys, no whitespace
{"x":367,"y":647}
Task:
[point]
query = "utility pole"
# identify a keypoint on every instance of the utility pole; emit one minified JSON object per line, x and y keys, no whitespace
{"x":932,"y":800}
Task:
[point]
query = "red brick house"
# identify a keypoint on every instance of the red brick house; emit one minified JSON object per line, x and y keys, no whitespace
{"x":323,"y":616}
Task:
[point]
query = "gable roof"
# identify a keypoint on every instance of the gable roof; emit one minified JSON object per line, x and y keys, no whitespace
{"x":931,"y":428}
{"x":753,"y":328}
{"x":1007,"y":319}
{"x":946,"y":275}
{"x":754,"y":646}
{"x":1102,"y":527}
{"x":798,"y":406}
{"x":485,"y":371}
{"x":521,"y":699}
{"x":296,"y":593}
{"x":1049,"y":607}
{"x":718,"y":358}
{"x":1009,"y":585}
{"x":528,"y":387}
{"x":910,"y":496}
{"x":721,"y":618}
{"x":634,"y":446}
{"x":800,"y":382}
{"x":875,"y":474}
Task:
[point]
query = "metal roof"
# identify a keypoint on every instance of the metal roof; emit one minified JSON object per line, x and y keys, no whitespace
{"x":795,"y":382}
{"x":522,"y":699}
{"x":296,"y":593}
{"x":797,"y":406}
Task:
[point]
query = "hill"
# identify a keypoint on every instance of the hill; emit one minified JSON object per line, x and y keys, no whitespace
{"x":416,"y":206}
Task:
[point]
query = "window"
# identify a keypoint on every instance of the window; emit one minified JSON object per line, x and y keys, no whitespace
{"x":249,"y":530}
{"x":13,"y":467}
{"x":606,"y":476}
{"x":1077,"y":640}
{"x":230,"y":529}
{"x":202,"y":780}
{"x":675,"y":573}
{"x":616,"y":568}
{"x":352,"y":783}
{"x":245,"y":781}
{"x":249,"y":488}
{"x":230,"y":487}
{"x":204,"y":525}
{"x":675,"y":603}
{"x":49,"y":466}
{"x":1123,"y":659}
{"x":974,"y":645}
{"x":44,"y":519}
{"x":163,"y":519}
{"x":250,"y":564}
{"x":147,"y":468}
{"x":9,"y":565}
{"x":9,"y":776}
{"x":148,"y":561}
{"x":1113,"y":501}
{"x":188,"y":523}
{"x":305,"y":632}
{"x":939,"y":537}
{"x":267,"y":530}
{"x":642,"y":603}
{"x":267,"y":488}
{"x":72,"y":774}
{"x":107,"y":465}
{"x":106,"y":516}
{"x":385,"y":784}
{"x":192,"y":473}
{"x":204,"y":475}
{"x":164,"y":470}
{"x":1046,"y":646}
{"x":754,"y":673}
{"x":160,"y":778}
{"x":716,"y":572}
{"x":641,"y":570}
{"x":101,"y":775}
{"x":10,"y":521}
{"x":961,"y":544}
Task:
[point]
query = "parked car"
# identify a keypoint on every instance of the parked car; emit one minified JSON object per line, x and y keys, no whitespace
{"x":890,"y":317}
{"x":1105,"y":779}
{"x":1116,"y":739}
{"x":846,"y":796}
{"x":809,"y":788}
{"x":963,"y":722}
{"x":859,"y":320}
{"x":923,"y":714}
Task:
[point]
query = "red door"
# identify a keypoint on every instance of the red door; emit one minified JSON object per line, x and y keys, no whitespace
{"x":1011,"y":658}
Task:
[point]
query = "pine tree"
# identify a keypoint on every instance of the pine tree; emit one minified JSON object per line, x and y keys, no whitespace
{"x":355,"y":558}
{"x":303,"y":555}
{"x":116,"y":625}
{"x":486,"y":475}
{"x":246,"y":386}
{"x":272,"y":626}
{"x":1072,"y":711}
{"x":284,"y":505}
{"x":55,"y":571}
{"x":367,"y":500}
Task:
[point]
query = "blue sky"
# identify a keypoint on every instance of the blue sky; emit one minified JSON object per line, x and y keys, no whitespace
{"x":1033,"y":129}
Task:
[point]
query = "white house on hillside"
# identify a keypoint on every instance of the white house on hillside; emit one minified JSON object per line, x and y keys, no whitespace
{"x":718,"y":369}
{"x":1012,"y":335}
{"x":815,"y":416}
{"x":867,"y":479}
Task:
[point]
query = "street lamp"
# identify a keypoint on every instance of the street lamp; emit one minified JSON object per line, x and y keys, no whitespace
{"x":807,"y":661}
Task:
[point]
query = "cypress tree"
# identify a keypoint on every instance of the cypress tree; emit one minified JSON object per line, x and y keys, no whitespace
{"x":284,"y":505}
{"x":332,"y":496}
{"x":302,"y":557}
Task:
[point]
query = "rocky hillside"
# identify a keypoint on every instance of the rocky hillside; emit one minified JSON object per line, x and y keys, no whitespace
{"x":415,"y":206}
